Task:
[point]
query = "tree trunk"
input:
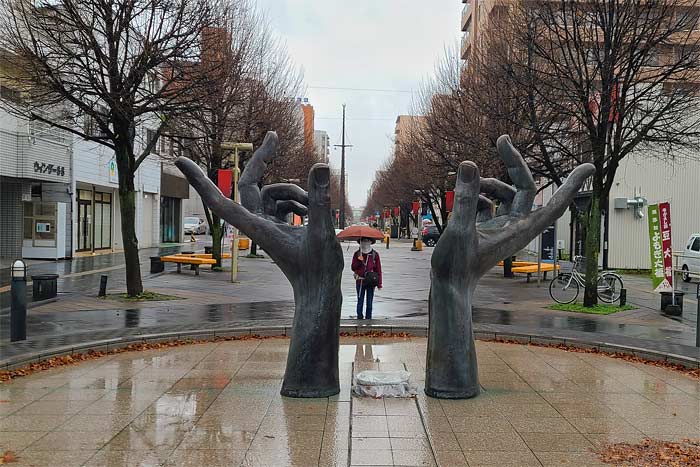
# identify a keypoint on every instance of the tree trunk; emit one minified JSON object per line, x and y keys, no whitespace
{"x":127,"y":206}
{"x":217,"y":233}
{"x":590,"y":296}
{"x":508,"y":267}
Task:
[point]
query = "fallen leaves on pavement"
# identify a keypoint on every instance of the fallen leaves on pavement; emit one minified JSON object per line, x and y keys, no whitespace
{"x":8,"y":457}
{"x":692,"y":372}
{"x":77,"y":357}
{"x":652,"y":453}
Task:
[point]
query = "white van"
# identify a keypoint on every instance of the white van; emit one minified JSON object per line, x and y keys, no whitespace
{"x":690,"y":259}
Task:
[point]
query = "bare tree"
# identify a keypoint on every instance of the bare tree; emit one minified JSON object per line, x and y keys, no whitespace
{"x":248,"y":79}
{"x":101,"y":68}
{"x":600,"y":80}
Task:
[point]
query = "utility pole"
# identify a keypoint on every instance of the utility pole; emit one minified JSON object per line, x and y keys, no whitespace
{"x":342,"y":146}
{"x":235,"y":147}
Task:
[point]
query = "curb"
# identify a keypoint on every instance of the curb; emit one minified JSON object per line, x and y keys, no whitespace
{"x":415,"y":330}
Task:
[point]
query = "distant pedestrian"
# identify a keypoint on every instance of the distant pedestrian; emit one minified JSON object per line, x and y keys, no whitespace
{"x":368,"y":274}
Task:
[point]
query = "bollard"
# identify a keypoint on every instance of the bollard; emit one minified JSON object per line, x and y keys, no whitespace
{"x":18,"y":292}
{"x":388,"y":237}
{"x":103,"y":286}
{"x":623,"y":297}
{"x":697,"y":318}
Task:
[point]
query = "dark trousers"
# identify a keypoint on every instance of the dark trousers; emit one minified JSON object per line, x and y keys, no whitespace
{"x":363,"y":290}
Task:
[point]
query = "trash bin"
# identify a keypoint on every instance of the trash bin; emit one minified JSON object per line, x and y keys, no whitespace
{"x":44,"y":286}
{"x":243,"y":243}
{"x":208,"y":250}
{"x":156,"y":265}
{"x":667,"y":300}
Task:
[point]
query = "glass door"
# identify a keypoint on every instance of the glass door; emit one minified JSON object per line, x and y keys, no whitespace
{"x":84,"y":227}
{"x":103,"y":220}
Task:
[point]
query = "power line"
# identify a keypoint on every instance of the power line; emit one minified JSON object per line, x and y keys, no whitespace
{"x":358,"y":118}
{"x":331,"y":88}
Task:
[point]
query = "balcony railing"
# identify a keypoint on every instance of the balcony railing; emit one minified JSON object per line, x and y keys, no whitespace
{"x":466,"y":43}
{"x":466,"y":15}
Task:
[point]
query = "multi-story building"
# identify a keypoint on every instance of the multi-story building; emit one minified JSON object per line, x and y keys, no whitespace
{"x":642,"y":178}
{"x":36,"y":175}
{"x":59,"y":194}
{"x":323,"y":145}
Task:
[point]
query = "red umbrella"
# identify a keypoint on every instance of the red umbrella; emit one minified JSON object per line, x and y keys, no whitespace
{"x":356,"y":232}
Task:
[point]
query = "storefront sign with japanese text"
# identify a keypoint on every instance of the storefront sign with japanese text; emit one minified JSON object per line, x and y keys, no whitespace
{"x":660,"y":247}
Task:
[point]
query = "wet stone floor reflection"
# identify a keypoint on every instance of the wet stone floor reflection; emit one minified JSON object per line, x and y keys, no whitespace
{"x":219,"y":404}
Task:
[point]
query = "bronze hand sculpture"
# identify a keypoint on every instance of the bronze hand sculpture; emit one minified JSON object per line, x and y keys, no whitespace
{"x":473,"y":242}
{"x":309,"y":256}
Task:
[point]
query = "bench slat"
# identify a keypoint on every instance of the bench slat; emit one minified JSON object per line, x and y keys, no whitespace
{"x":531,"y":269}
{"x":186,"y":260}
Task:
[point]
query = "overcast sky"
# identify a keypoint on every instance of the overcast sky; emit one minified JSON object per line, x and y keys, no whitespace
{"x":364,"y":44}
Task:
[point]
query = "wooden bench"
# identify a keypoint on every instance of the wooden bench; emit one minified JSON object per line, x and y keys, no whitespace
{"x":187,"y":259}
{"x":204,"y":255}
{"x":519,"y":263}
{"x":532,"y":269}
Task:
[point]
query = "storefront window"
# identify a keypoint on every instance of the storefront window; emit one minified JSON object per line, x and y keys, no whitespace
{"x":40,"y":223}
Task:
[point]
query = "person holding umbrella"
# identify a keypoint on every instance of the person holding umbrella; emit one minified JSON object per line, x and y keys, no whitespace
{"x":368,"y":274}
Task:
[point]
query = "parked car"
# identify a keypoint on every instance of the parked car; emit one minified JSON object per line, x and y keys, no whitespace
{"x":195,"y":225}
{"x":431,"y":235}
{"x":690,"y":261}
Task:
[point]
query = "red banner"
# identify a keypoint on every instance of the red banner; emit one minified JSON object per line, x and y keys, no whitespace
{"x":397,"y":211}
{"x":225,"y":181}
{"x":387,"y":214}
{"x":416,"y":207}
{"x":665,"y":217}
{"x":449,"y":200}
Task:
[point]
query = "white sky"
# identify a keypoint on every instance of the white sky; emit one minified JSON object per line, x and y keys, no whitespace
{"x":375,"y":44}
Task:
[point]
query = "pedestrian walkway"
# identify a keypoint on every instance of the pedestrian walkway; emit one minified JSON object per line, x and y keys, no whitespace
{"x":263,"y":297}
{"x":218,"y":404}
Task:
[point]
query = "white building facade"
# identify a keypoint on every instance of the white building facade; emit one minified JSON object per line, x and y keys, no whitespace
{"x":59,"y":195}
{"x":626,"y":237}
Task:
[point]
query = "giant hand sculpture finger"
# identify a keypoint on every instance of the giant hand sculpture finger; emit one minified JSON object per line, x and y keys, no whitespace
{"x":473,"y":243}
{"x":309,"y":256}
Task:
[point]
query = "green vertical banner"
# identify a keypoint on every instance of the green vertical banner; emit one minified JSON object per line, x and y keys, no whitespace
{"x":658,"y":274}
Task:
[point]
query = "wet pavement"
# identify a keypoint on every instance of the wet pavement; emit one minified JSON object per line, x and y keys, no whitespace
{"x":82,"y":274}
{"x":218,"y":404}
{"x":263,"y":296}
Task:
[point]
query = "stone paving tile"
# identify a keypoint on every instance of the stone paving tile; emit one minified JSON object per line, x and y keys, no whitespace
{"x":205,"y":457}
{"x":508,"y":441}
{"x":552,"y":459}
{"x":495,"y":458}
{"x":371,"y":457}
{"x":451,"y":458}
{"x":179,"y":415}
{"x":415,"y":457}
{"x":149,"y":457}
{"x":73,"y":458}
{"x":557,"y":442}
{"x":18,"y":440}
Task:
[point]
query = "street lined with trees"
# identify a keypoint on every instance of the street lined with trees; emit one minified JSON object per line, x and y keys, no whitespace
{"x":571,"y":82}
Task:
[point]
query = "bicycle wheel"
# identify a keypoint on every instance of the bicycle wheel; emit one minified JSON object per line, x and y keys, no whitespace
{"x":563,"y":289}
{"x":609,"y":286}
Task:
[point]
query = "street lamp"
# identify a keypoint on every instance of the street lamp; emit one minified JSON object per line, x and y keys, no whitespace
{"x":18,"y":292}
{"x":235,"y":147}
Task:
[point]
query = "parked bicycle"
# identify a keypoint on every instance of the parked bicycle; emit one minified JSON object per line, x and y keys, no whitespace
{"x":564,"y":288}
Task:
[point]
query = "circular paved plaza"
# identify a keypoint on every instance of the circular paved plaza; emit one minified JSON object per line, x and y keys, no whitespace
{"x":219,"y":404}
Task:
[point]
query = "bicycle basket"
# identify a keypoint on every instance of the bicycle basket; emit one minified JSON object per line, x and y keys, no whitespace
{"x":580,"y":264}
